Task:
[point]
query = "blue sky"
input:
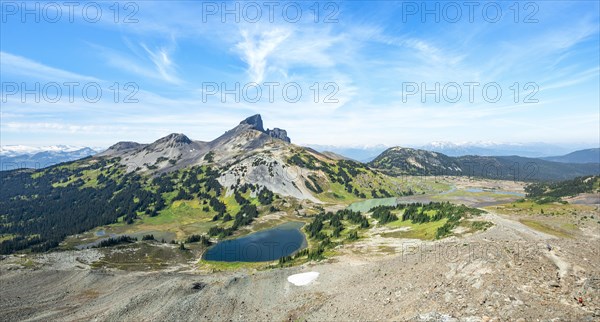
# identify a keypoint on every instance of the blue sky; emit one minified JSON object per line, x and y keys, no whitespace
{"x":367,"y":55}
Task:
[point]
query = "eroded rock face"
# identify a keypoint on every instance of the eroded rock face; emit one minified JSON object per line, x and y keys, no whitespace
{"x":280,"y":134}
{"x":255,"y":121}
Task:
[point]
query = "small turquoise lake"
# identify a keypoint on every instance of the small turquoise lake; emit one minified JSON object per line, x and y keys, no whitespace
{"x":267,"y":245}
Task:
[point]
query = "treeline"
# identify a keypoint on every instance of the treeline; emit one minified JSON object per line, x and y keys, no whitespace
{"x":116,"y":241}
{"x":326,"y":228}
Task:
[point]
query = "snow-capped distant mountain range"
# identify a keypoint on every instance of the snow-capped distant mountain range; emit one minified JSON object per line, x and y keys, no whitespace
{"x":23,"y":156}
{"x":14,"y":150}
{"x":532,"y":150}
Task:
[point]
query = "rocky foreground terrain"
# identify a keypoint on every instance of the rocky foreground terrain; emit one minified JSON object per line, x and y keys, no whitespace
{"x":508,"y":272}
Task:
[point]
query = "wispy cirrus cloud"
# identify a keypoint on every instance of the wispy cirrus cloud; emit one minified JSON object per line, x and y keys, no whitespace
{"x":163,"y":63}
{"x":155,"y":63}
{"x":15,"y":65}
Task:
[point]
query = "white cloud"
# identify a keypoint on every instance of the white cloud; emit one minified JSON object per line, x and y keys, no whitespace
{"x":149,"y":63}
{"x":256,"y":47}
{"x":163,"y":64}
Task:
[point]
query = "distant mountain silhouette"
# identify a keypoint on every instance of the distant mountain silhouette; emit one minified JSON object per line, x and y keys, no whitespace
{"x":580,"y":156}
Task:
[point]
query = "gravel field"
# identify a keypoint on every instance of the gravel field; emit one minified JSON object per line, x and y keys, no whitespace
{"x":508,"y":272}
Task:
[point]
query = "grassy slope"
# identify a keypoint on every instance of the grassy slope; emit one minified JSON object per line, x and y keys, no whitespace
{"x":425,"y":231}
{"x":558,"y":219}
{"x":529,"y":207}
{"x":548,"y":229}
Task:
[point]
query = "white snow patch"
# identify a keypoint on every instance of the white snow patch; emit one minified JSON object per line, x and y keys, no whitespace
{"x":303,"y":278}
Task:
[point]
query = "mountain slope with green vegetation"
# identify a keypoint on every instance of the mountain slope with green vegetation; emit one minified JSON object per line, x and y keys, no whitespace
{"x":223,"y":186}
{"x":553,"y":191}
{"x":405,"y":161}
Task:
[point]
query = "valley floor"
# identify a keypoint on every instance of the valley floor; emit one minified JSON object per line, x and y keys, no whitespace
{"x":508,"y":272}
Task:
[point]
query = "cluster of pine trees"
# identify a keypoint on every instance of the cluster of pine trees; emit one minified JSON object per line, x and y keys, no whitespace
{"x":311,"y":254}
{"x":265,"y":196}
{"x":313,"y":184}
{"x":204,"y":240}
{"x":244,"y":217}
{"x":383,"y":214}
{"x":333,"y":221}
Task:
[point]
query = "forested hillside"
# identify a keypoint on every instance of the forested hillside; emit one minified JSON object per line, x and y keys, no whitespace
{"x":406,"y":161}
{"x":553,"y":191}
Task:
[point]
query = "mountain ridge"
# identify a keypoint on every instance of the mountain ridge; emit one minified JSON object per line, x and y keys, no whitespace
{"x":409,"y":161}
{"x":235,"y":177}
{"x":43,"y":159}
{"x":579,"y":156}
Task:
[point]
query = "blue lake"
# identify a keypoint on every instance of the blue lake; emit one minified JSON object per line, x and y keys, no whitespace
{"x":266,"y":245}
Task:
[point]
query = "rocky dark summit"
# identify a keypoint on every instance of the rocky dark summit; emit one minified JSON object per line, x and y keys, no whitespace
{"x":255,"y":122}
